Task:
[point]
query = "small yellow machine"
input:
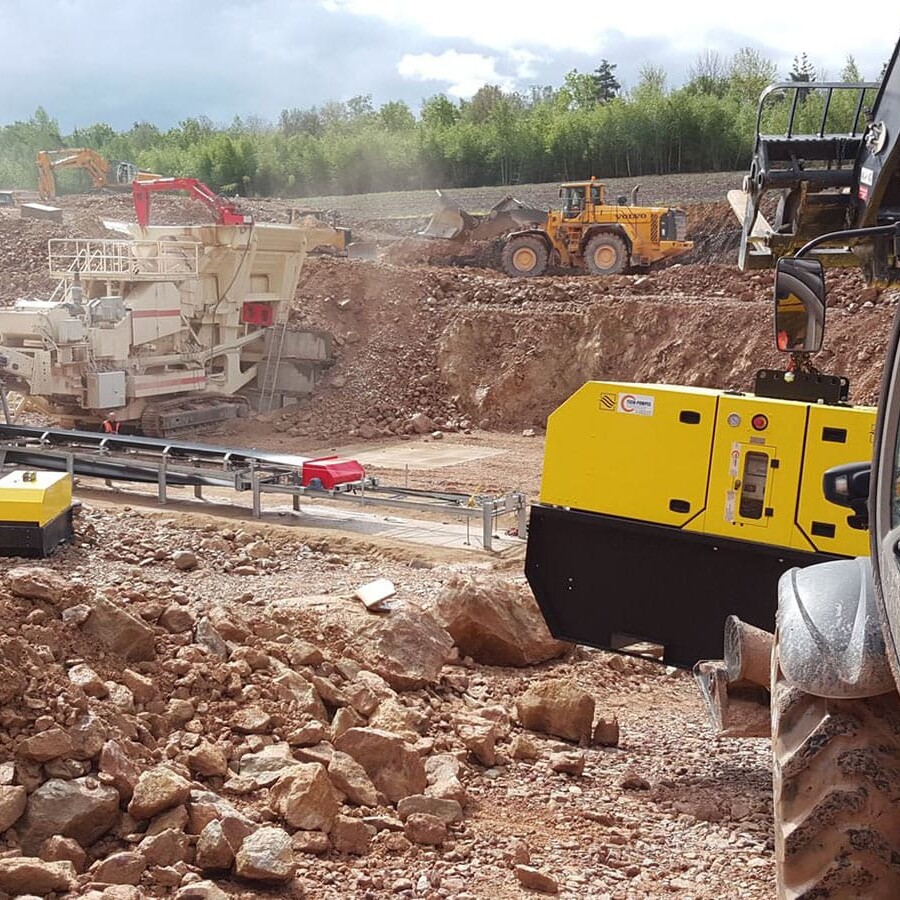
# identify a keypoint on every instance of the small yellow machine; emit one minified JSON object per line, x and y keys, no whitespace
{"x":664,"y":509}
{"x":35,"y":512}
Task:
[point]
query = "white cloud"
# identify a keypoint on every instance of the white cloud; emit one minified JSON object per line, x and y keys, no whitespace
{"x":463,"y":73}
{"x":524,"y":61}
{"x":504,"y":25}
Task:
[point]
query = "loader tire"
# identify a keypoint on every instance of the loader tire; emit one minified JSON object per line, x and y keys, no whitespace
{"x":606,"y":254}
{"x":836,"y":777}
{"x":525,"y":256}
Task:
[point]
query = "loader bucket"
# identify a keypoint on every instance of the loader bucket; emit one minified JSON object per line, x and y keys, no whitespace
{"x":448,"y":221}
{"x":507,"y":215}
{"x":362,"y":250}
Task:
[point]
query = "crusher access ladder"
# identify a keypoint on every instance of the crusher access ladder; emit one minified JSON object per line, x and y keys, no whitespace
{"x":167,"y":463}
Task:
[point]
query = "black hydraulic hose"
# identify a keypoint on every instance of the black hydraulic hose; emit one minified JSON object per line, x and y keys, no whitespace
{"x":872,"y":231}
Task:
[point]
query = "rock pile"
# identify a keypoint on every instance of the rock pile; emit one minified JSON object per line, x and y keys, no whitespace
{"x":169,"y":747}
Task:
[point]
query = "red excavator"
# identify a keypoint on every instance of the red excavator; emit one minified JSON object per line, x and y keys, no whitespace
{"x":225,"y":211}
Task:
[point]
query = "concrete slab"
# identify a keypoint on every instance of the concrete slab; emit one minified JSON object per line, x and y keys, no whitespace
{"x":416,"y":455}
{"x":40,"y":211}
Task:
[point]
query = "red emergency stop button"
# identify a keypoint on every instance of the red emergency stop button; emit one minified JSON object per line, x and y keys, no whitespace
{"x":759,"y":422}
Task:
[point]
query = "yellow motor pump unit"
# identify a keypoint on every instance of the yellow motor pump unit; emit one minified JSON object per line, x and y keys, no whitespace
{"x":665,"y":509}
{"x":35,"y":512}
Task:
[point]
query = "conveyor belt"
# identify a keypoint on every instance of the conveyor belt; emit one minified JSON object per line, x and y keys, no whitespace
{"x":131,"y":442}
{"x":132,"y":458}
{"x":173,"y":463}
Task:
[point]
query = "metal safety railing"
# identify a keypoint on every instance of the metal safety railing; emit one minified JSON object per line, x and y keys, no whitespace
{"x":123,"y":260}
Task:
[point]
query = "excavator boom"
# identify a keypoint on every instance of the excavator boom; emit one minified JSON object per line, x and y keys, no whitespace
{"x":226,"y":213}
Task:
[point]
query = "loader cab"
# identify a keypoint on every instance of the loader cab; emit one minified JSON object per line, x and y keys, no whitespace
{"x":577,"y":196}
{"x":572,"y":196}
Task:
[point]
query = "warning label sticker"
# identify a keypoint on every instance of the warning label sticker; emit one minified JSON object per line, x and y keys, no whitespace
{"x":730,"y":497}
{"x":735,"y":460}
{"x":635,"y":404}
{"x":608,"y":401}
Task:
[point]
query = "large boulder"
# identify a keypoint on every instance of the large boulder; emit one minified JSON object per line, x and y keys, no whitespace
{"x":304,"y":798}
{"x":37,"y":583}
{"x":393,"y":765}
{"x":496,"y":621}
{"x":213,"y":850}
{"x":157,"y":790}
{"x":46,"y":745}
{"x":25,"y":874}
{"x":405,"y":646}
{"x":266,"y":766}
{"x":350,"y":778}
{"x":267,"y":856}
{"x":124,"y":634}
{"x":12,"y":804}
{"x":559,"y":708}
{"x":81,"y":809}
{"x":205,"y":807}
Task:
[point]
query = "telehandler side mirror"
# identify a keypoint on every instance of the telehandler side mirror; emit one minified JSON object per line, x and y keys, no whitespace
{"x":848,"y":486}
{"x":799,"y":305}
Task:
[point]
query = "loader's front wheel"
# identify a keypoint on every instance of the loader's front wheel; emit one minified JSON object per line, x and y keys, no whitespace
{"x":525,"y":256}
{"x":606,"y":254}
{"x":837,"y":794}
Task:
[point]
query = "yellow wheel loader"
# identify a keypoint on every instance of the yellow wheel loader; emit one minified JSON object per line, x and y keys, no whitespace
{"x":586,"y":233}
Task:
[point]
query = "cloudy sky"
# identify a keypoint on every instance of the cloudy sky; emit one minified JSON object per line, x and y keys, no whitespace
{"x":120,"y":61}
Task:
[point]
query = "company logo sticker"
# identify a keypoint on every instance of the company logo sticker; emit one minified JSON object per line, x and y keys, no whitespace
{"x":636,"y":404}
{"x":608,"y":401}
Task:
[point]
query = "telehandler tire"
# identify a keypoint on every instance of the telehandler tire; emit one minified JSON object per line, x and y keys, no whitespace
{"x":606,"y":254}
{"x":525,"y":256}
{"x":836,"y":774}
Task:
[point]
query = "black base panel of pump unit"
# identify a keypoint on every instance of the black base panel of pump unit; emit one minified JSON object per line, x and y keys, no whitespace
{"x":611,"y":583}
{"x":33,"y":540}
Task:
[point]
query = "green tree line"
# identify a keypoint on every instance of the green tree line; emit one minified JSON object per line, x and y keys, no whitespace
{"x":587,"y":126}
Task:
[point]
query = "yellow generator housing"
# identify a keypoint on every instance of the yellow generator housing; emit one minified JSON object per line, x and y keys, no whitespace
{"x":35,"y":512}
{"x":664,"y":509}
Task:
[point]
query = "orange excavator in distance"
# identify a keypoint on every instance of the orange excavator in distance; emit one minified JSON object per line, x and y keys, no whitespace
{"x":104,"y":173}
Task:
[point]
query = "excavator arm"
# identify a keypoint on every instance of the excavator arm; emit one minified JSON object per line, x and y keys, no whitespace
{"x":76,"y":158}
{"x":226,"y":213}
{"x":843,"y":173}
